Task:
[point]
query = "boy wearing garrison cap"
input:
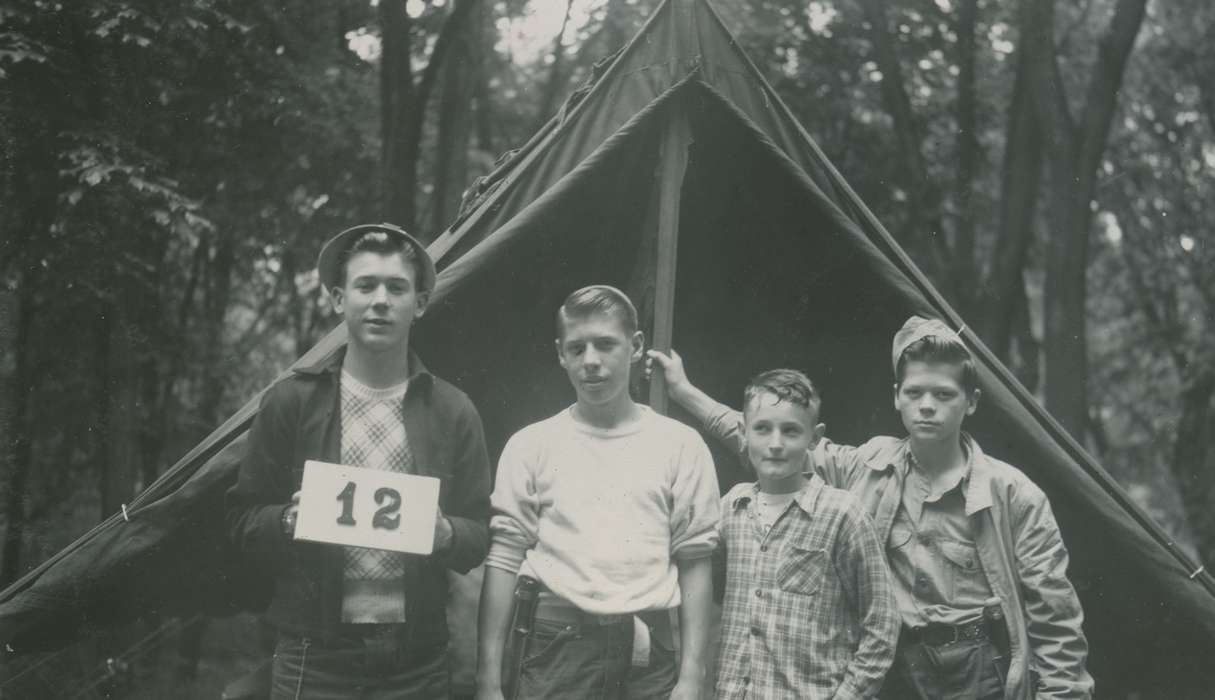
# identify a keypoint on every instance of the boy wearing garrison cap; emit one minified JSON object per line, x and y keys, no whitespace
{"x":356,"y":622}
{"x":979,"y":567}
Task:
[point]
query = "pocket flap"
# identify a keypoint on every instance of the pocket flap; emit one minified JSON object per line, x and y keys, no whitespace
{"x":960,"y":554}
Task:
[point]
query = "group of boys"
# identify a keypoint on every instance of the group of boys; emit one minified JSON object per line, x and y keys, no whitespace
{"x":904,"y":568}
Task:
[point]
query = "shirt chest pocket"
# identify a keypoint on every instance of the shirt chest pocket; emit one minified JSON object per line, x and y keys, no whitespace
{"x":802,"y":570}
{"x":962,"y":571}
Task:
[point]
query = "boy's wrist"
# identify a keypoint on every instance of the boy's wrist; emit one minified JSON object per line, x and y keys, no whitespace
{"x":691,"y":669}
{"x":680,"y":392}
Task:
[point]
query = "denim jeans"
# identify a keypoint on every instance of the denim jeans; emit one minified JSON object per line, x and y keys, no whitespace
{"x":964,"y":670}
{"x":591,"y":662}
{"x":349,"y":669}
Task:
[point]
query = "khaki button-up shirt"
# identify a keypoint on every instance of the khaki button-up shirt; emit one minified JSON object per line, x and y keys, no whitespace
{"x":937,"y":572}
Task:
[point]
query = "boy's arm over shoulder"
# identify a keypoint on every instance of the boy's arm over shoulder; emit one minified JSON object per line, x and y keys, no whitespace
{"x":859,"y":559}
{"x":726,"y":426}
{"x":254,"y":505}
{"x":467,"y":503}
{"x":842,"y":465}
{"x":515,"y":504}
{"x":1052,"y":609}
{"x":696,"y":499}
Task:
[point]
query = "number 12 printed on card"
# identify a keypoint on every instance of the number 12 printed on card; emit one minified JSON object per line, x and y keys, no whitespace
{"x":360,"y":507}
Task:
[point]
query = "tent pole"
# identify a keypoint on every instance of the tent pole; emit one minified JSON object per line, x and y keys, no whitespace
{"x":672,"y":166}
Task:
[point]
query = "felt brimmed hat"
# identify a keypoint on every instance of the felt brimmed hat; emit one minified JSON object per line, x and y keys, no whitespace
{"x":333,"y":255}
{"x":917,"y":328}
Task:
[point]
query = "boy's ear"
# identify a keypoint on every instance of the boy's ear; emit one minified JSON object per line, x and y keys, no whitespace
{"x":423,"y":300}
{"x":973,"y":401}
{"x":638,"y":341}
{"x":335,"y":296}
{"x":560,"y":355}
{"x":817,"y":434}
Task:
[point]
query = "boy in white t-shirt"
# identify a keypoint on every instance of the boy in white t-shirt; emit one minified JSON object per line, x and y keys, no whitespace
{"x":608,"y":511}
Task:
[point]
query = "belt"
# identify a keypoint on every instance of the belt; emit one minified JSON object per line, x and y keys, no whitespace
{"x":566,"y":614}
{"x":938,"y":634}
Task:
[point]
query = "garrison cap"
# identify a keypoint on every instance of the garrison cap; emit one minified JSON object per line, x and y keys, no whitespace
{"x":918,"y":328}
{"x":333,"y":255}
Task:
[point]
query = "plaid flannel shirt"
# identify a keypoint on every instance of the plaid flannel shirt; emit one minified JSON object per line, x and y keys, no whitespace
{"x":809,"y":608}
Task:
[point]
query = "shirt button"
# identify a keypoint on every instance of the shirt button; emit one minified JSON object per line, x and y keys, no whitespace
{"x":755,"y":631}
{"x":759,"y":593}
{"x":746,"y":680}
{"x":763,"y":548}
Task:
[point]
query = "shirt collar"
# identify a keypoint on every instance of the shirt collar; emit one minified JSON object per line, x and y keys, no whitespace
{"x":332,"y":364}
{"x":975,"y":481}
{"x":805,"y":499}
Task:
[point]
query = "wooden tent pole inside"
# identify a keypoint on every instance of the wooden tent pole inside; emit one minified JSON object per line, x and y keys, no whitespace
{"x":672,"y":166}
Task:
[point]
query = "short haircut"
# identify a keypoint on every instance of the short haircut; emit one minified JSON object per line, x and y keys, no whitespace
{"x":598,"y":299}
{"x":786,"y":385}
{"x":383,"y":243}
{"x":934,"y":348}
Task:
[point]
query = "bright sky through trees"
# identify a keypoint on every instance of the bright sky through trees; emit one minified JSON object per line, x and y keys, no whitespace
{"x":526,"y":37}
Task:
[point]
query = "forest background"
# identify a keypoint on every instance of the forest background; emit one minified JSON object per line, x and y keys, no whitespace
{"x":169,"y":169}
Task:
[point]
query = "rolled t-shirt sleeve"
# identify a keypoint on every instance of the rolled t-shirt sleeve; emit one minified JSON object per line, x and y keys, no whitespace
{"x":726,"y":425}
{"x":696,"y":502}
{"x":514,"y":524}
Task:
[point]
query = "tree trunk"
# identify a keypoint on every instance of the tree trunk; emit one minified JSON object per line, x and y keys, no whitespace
{"x":927,"y":234}
{"x":965,"y":267}
{"x":1074,"y":155}
{"x":403,"y":107}
{"x":119,"y":404}
{"x":215,"y":308}
{"x":455,"y":125}
{"x":20,"y":440}
{"x":483,"y":43}
{"x":556,"y":75}
{"x":1004,"y":290}
{"x":1191,"y":463}
{"x":398,"y":158}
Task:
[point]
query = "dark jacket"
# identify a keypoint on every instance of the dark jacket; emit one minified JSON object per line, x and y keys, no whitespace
{"x":300,"y":419}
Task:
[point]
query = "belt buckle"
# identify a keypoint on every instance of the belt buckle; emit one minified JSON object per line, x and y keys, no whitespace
{"x":955,"y":629}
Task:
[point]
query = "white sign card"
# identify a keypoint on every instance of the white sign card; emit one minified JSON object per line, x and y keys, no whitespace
{"x":360,"y":507}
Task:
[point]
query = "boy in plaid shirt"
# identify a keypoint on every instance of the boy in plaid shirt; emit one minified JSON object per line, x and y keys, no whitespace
{"x":977,"y":562}
{"x":809,"y":608}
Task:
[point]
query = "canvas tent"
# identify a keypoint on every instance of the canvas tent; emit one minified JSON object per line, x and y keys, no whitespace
{"x":679,"y":175}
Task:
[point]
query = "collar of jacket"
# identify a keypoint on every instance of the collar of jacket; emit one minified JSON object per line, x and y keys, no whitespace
{"x":978,"y":477}
{"x":333,"y":363}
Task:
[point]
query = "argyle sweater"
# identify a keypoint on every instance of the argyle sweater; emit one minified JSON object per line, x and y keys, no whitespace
{"x":373,"y":437}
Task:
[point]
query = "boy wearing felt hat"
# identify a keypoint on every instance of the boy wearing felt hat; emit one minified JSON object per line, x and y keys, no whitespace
{"x":351,"y":621}
{"x":979,"y":567}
